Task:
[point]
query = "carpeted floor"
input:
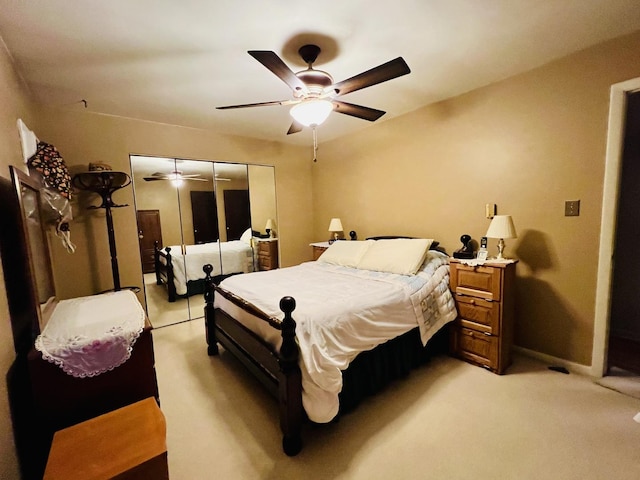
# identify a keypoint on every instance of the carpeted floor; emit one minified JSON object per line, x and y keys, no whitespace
{"x":448,"y":420}
{"x":622,"y":381}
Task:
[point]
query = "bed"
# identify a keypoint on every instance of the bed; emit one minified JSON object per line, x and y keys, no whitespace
{"x":181,"y":270}
{"x":361,"y":302}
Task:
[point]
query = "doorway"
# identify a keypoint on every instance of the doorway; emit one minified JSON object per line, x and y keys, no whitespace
{"x":624,"y":324}
{"x":608,"y":229}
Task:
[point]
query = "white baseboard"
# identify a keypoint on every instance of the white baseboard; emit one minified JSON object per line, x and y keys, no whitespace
{"x":555,"y":361}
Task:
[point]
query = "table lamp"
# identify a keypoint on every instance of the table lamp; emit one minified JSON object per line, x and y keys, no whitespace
{"x":501,"y":227}
{"x":335,"y":226}
{"x":270,"y":228}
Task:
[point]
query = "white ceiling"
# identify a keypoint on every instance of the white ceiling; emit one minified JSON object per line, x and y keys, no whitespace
{"x":175,"y":61}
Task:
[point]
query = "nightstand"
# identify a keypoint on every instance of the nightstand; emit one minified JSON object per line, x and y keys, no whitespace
{"x":319,"y":248}
{"x":267,"y":253}
{"x":484,"y":295}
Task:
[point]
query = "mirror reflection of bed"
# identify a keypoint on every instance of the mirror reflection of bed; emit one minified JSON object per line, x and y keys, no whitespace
{"x":196,"y":206}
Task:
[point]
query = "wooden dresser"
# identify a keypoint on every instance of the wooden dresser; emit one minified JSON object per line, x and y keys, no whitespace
{"x":268,"y":254}
{"x":484,"y":295}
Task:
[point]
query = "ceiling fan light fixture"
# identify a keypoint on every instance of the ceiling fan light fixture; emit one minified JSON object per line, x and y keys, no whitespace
{"x":311,"y":112}
{"x":176,"y":179}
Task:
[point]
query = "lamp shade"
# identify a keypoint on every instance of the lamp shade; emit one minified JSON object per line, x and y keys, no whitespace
{"x":271,"y":224}
{"x":502,"y":227}
{"x":335,"y":225}
{"x":311,"y":112}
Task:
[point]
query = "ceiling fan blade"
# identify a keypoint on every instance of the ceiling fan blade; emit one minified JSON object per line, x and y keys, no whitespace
{"x":260,"y":104}
{"x":358,"y":111}
{"x":193,"y":178}
{"x":295,"y":128}
{"x":273,"y":62}
{"x":153,"y":179}
{"x":387,"y":71}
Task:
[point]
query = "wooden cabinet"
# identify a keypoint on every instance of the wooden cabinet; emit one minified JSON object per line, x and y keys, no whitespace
{"x":484,"y":295}
{"x":268,"y":254}
{"x":318,"y":249}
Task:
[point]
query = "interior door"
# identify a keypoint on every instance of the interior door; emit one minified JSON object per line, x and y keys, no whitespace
{"x":149,"y":232}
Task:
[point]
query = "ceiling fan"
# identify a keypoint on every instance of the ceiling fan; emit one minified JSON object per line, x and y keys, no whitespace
{"x":314,"y":91}
{"x":177,"y":176}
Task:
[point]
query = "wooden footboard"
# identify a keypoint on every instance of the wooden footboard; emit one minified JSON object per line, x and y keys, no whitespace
{"x":278,"y":371}
{"x":164,"y":270}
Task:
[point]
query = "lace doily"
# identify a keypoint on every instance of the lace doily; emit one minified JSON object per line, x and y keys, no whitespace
{"x":87,"y":336}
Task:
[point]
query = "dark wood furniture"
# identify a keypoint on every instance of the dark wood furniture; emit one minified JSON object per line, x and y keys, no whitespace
{"x":163,"y":262}
{"x":164,"y":270}
{"x":484,"y":295}
{"x":279,"y":372}
{"x":267,"y":253}
{"x":42,"y":397}
{"x":105,"y":183}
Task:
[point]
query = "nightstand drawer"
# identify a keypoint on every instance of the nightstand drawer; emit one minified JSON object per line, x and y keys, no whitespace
{"x":483,"y":282}
{"x":477,"y":347}
{"x":478,"y":314}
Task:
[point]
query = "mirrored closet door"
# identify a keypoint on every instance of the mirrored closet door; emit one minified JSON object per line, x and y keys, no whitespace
{"x":190,"y":213}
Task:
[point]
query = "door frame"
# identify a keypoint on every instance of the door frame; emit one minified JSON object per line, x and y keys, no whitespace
{"x":613,"y":167}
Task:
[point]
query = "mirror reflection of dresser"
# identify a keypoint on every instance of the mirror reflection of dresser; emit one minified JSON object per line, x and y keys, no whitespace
{"x":267,"y":253}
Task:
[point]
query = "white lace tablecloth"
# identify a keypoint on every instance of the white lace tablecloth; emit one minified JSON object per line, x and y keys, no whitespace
{"x":87,"y":336}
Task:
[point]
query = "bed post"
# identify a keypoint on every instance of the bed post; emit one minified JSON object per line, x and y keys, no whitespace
{"x":156,"y":261}
{"x":290,"y":382}
{"x":209,"y":315}
{"x":171,"y":286}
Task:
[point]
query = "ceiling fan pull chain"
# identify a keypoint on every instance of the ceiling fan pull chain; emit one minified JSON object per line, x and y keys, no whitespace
{"x":315,"y":143}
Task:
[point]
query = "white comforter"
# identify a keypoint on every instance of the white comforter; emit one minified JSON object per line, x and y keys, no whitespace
{"x":343,"y":311}
{"x":237,"y":257}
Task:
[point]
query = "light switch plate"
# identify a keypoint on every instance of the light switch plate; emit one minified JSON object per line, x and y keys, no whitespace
{"x":572,"y":208}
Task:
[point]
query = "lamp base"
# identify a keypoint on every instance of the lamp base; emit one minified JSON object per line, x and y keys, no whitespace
{"x":500,"y":250}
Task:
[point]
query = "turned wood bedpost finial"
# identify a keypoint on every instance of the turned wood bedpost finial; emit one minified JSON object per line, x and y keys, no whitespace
{"x":290,"y":382}
{"x":289,"y":348}
{"x":209,"y":312}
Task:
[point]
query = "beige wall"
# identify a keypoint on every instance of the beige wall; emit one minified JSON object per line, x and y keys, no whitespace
{"x":15,"y":104}
{"x":84,"y":137}
{"x":527,"y":144}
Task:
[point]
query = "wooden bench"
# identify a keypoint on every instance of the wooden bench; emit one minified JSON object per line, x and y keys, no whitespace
{"x":125,"y":444}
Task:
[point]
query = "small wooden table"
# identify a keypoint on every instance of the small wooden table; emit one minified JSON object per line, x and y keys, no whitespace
{"x":319,"y":248}
{"x":128,"y":443}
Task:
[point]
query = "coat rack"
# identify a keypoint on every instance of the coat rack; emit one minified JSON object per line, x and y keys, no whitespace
{"x":104,"y":183}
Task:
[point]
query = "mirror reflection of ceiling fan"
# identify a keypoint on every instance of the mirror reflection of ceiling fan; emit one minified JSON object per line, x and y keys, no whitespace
{"x":314,"y":91}
{"x":177,"y":176}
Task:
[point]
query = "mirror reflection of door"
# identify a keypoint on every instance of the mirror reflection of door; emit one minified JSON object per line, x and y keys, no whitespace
{"x":198,"y":218}
{"x":205,"y":217}
{"x":149,"y":235}
{"x":236,"y":212}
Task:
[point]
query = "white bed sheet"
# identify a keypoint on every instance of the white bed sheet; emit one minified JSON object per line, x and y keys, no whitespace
{"x":237,"y":257}
{"x":340,"y":312}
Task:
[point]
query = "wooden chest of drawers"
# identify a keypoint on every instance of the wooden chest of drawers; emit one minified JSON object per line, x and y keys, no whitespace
{"x":484,"y":295}
{"x":268,"y":254}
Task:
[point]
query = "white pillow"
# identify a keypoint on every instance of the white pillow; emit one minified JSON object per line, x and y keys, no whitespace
{"x":400,"y":255}
{"x":345,"y":252}
{"x":246,"y":236}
